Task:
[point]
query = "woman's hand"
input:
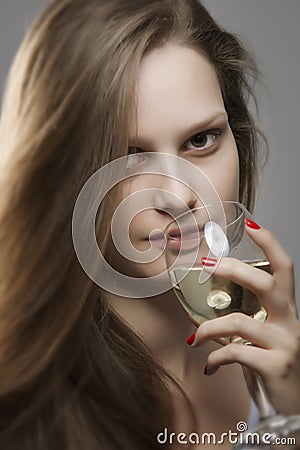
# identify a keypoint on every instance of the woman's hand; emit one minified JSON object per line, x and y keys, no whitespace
{"x":275,"y":354}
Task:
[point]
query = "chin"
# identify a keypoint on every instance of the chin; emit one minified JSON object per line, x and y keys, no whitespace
{"x":140,"y":270}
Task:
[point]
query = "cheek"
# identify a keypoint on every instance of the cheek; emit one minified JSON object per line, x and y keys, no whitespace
{"x":224,"y":174}
{"x":138,"y":227}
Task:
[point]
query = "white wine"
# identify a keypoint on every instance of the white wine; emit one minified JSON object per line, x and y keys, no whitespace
{"x":215,"y":297}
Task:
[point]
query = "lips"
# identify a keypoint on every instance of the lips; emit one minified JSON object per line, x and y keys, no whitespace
{"x":158,"y":239}
{"x":185,"y":238}
{"x":174,"y":233}
{"x":156,"y":236}
{"x":185,"y":233}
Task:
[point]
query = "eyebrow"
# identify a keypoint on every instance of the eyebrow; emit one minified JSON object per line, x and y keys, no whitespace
{"x":199,"y":126}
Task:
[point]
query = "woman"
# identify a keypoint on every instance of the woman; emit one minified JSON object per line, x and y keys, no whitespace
{"x":82,"y":368}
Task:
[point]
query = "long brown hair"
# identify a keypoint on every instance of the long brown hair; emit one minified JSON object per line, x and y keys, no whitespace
{"x":70,"y":370}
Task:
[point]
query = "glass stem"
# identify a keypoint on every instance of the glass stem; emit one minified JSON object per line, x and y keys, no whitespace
{"x":258,"y":393}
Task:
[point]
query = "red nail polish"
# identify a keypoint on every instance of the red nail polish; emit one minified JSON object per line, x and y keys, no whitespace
{"x":205,"y":370}
{"x":252,"y":224}
{"x":209,"y":262}
{"x":191,"y":339}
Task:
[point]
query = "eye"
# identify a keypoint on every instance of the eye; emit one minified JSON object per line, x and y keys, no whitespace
{"x":202,"y":141}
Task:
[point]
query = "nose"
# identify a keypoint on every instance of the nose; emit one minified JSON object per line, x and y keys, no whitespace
{"x":174,"y":197}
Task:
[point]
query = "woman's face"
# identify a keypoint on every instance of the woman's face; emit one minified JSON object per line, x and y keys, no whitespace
{"x":180,"y":112}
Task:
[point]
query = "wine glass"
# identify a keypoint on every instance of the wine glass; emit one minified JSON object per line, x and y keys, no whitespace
{"x":215,"y":231}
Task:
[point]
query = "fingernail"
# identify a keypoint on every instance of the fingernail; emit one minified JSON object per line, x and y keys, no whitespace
{"x":191,"y":339}
{"x":209,"y":262}
{"x":252,"y":224}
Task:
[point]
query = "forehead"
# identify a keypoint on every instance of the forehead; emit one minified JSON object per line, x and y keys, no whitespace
{"x":175,"y":85}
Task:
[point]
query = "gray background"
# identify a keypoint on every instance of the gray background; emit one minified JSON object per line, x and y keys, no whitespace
{"x":271,"y":31}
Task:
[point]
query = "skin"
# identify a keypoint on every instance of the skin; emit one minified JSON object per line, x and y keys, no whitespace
{"x":178,"y":97}
{"x":276,"y":355}
{"x":176,"y":88}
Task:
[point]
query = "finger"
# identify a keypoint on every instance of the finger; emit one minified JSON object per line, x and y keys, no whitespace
{"x":249,"y":329}
{"x":265,"y":362}
{"x":259,"y":282}
{"x":256,"y":280}
{"x":280,"y":261}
